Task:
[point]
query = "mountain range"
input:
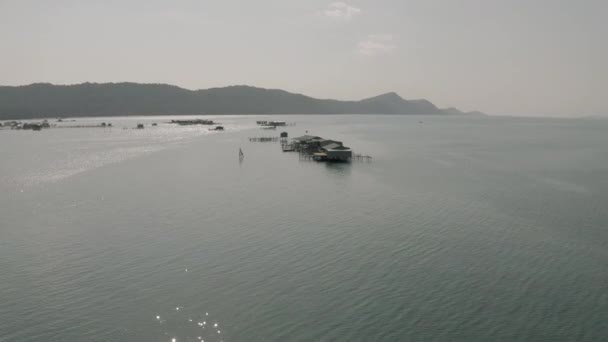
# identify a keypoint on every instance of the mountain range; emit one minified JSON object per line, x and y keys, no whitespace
{"x":122,"y":99}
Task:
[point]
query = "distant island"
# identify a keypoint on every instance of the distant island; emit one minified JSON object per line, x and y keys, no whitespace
{"x":123,"y":99}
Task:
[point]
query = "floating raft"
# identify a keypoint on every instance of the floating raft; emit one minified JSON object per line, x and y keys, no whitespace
{"x":193,"y":122}
{"x":264,"y":139}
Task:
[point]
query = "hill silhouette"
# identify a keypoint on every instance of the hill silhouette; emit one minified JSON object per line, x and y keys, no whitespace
{"x":123,"y":99}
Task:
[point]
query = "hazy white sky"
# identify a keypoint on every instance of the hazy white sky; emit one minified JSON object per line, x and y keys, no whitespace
{"x":519,"y":57}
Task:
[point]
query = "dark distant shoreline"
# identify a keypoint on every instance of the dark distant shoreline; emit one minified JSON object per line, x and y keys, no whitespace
{"x":44,"y":100}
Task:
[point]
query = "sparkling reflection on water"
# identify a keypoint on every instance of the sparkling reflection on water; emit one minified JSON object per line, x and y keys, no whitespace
{"x":182,"y":325}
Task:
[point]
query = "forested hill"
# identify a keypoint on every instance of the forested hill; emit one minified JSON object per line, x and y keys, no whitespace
{"x":121,"y":99}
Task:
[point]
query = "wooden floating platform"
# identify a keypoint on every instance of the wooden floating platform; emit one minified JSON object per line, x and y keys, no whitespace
{"x":361,"y":157}
{"x":275,"y":124}
{"x":322,"y":157}
{"x":193,"y":122}
{"x":264,"y":139}
{"x":288,"y":148}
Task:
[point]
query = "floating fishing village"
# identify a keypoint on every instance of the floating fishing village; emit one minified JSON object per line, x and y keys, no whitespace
{"x":314,"y":148}
{"x":38,"y":126}
{"x":308,"y":147}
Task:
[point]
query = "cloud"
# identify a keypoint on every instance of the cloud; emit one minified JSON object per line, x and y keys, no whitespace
{"x":341,"y":10}
{"x":376,"y":44}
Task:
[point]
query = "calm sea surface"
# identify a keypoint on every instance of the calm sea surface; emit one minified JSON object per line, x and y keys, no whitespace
{"x":461,"y":229}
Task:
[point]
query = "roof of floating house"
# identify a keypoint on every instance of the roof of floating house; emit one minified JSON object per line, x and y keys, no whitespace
{"x":337,"y":148}
{"x":329,"y":142}
{"x":317,"y":139}
{"x":325,"y":144}
{"x":330,"y":146}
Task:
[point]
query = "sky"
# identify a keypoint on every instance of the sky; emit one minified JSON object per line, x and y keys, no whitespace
{"x":504,"y":57}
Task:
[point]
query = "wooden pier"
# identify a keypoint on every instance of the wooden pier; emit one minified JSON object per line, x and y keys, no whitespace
{"x":361,"y":158}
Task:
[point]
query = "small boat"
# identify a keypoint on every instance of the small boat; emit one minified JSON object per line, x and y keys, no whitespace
{"x":217,"y":128}
{"x":241,"y":155}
